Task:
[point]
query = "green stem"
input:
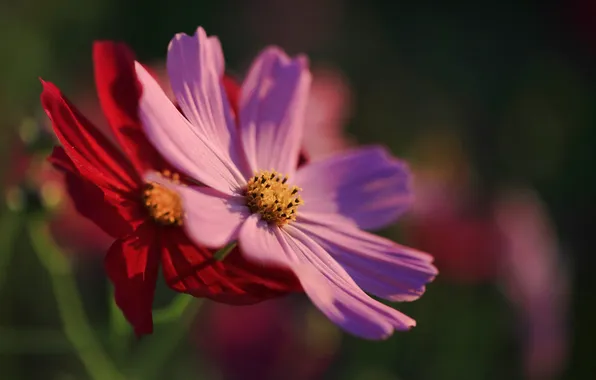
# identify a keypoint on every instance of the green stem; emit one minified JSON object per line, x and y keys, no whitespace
{"x":120,"y":330}
{"x":76,"y":326}
{"x":222,"y":253}
{"x":152,"y":357}
{"x":174,"y":310}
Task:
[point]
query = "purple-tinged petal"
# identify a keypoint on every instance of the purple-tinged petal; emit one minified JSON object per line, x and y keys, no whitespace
{"x":379,"y":266}
{"x":211,"y":218}
{"x":183,"y":145}
{"x":364,"y":185}
{"x":272,"y":109}
{"x":326,"y":283}
{"x":195,"y":67}
{"x":536,"y":280}
{"x":219,"y":61}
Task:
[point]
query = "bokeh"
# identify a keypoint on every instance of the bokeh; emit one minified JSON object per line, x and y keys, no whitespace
{"x":493,"y":104}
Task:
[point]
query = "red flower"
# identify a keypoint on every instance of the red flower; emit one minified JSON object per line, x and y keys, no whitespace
{"x":466,"y":248}
{"x":107,"y":186}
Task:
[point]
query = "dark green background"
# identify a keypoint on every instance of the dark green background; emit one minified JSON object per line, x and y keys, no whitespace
{"x":411,"y":64}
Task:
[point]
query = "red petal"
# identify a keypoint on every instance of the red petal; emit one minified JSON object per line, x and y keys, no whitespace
{"x":190,"y":269}
{"x":465,"y":249}
{"x":113,"y":213}
{"x":132,"y":264}
{"x":232,"y":89}
{"x":60,"y":160}
{"x":94,"y":156}
{"x":262,"y":281}
{"x":89,"y":201}
{"x":119,"y":92}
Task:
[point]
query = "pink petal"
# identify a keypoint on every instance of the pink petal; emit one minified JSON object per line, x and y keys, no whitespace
{"x":329,"y":108}
{"x":195,"y":67}
{"x":219,"y":61}
{"x":535,"y":279}
{"x":327,"y":284}
{"x":379,"y":266}
{"x":272,"y":109}
{"x":364,"y":185}
{"x":211,"y":218}
{"x":182,"y":144}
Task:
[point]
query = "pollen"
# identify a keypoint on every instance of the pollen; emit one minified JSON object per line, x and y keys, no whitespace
{"x":164,"y":205}
{"x":269,"y":194}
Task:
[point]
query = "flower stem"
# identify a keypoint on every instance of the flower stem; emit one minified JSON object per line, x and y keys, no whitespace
{"x":76,"y":326}
{"x":222,"y":253}
{"x":120,"y":330}
{"x":175,"y":310}
{"x":175,"y":320}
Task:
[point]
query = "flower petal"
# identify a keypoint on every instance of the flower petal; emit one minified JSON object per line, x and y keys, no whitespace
{"x":181,"y":143}
{"x":272,"y":107}
{"x":379,"y":266}
{"x":119,"y":92}
{"x":211,"y":218}
{"x":219,"y":62}
{"x":115,"y":213}
{"x":323,"y":279}
{"x":132,"y":264}
{"x":191,"y":269}
{"x":196,"y":67}
{"x":92,"y":153}
{"x":232,"y":89}
{"x":364,"y":185}
{"x":88,"y":200}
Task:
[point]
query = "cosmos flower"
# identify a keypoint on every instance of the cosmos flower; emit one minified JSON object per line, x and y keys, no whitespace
{"x":536,"y":280}
{"x":327,"y":111}
{"x":106,"y":183}
{"x":306,"y":219}
{"x":512,"y":242}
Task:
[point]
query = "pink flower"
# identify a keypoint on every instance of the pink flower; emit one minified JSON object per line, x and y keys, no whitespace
{"x":305,"y":219}
{"x":510,"y":241}
{"x":327,"y":111}
{"x":536,"y":280}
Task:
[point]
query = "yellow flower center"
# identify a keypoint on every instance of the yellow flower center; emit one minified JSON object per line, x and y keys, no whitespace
{"x":269,"y":194}
{"x":164,"y":205}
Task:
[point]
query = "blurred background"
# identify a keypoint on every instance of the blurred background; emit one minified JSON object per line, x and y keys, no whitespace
{"x":492,"y":102}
